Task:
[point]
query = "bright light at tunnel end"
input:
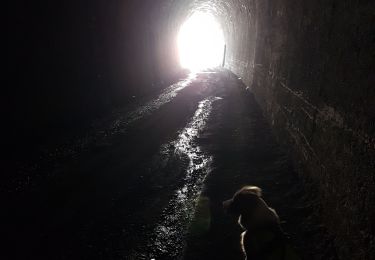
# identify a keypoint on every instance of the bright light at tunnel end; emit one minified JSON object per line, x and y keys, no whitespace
{"x":200,"y":42}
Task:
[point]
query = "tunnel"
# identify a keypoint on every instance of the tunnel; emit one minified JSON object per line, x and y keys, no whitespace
{"x":305,"y":67}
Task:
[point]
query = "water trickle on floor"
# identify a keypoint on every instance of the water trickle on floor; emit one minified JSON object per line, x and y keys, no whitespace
{"x":168,"y":238}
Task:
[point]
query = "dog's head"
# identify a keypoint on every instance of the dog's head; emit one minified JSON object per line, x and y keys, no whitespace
{"x":251,"y":209}
{"x":246,"y":200}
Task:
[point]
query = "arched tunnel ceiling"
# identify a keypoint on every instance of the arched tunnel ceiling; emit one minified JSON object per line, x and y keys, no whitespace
{"x":228,"y":13}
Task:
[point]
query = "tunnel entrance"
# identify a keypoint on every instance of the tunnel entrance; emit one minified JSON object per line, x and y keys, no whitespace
{"x":200,"y":42}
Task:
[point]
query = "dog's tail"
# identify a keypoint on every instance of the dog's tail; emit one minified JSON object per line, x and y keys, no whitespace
{"x":253,"y":189}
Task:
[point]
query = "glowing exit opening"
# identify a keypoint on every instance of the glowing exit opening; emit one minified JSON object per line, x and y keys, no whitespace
{"x":200,"y":42}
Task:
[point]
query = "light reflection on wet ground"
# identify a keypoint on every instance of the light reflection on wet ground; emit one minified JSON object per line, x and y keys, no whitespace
{"x":101,"y":137}
{"x":167,"y":241}
{"x":168,"y":94}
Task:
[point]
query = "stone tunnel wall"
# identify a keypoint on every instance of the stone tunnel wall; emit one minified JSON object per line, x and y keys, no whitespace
{"x":311,"y":68}
{"x":313,"y":75}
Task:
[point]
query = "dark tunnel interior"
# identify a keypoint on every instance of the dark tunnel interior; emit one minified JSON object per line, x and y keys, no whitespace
{"x":73,"y":66}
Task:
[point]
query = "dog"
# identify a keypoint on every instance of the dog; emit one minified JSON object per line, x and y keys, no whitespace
{"x":263,"y":238}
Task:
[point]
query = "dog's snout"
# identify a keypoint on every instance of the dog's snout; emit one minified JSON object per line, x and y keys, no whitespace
{"x":226,"y":205}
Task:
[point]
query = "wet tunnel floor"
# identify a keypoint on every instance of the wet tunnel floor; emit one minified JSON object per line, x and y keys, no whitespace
{"x":153,"y":188}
